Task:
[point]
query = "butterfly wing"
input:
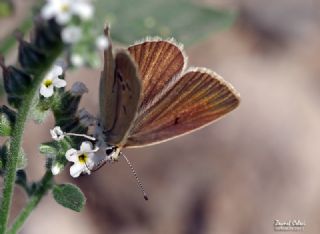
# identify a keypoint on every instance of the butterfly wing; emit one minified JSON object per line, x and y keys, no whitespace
{"x":120,"y":89}
{"x":196,"y":99}
{"x":159,"y":61}
{"x":107,"y":89}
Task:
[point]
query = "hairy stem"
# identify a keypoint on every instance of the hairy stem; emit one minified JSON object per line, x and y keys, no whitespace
{"x":15,"y":145}
{"x":43,"y":186}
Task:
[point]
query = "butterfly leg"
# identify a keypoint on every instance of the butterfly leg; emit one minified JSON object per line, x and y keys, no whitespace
{"x":86,"y":118}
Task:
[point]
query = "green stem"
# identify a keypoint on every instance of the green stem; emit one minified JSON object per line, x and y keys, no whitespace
{"x":44,"y":185}
{"x":15,"y":145}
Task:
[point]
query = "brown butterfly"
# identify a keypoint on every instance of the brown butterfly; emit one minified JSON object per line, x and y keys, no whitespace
{"x":147,"y":95}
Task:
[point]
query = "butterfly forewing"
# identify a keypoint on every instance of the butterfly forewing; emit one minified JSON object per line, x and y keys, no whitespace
{"x":108,"y":93}
{"x":158,"y":62}
{"x":193,"y":101}
{"x":128,"y":88}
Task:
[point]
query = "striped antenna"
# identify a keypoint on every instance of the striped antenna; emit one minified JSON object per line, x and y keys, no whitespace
{"x":145,"y":196}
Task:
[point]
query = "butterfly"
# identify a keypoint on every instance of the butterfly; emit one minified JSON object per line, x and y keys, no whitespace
{"x":148,"y":96}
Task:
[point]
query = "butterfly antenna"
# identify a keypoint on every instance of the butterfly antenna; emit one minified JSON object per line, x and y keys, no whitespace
{"x":145,"y":196}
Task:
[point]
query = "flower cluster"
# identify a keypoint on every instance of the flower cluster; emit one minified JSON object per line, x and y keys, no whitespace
{"x":84,"y":159}
{"x":77,"y":35}
{"x":63,"y":10}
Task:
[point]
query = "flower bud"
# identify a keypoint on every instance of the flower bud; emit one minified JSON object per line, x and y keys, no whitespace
{"x":57,"y":168}
{"x":69,"y":101}
{"x":49,"y":148}
{"x":16,"y":82}
{"x":46,"y":34}
{"x":68,"y":105}
{"x":78,"y":89}
{"x":85,"y":118}
{"x":15,"y":101}
{"x":7,"y":120}
{"x":29,"y":57}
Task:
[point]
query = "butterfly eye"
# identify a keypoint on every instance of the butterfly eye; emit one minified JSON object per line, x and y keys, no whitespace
{"x":109,"y":150}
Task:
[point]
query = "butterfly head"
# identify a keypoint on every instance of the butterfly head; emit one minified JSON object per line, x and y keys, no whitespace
{"x":112,"y":153}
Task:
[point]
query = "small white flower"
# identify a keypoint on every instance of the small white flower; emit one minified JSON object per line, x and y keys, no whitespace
{"x":84,"y":9}
{"x":102,"y":42}
{"x":61,"y":10}
{"x":77,"y":60}
{"x":71,"y":34}
{"x":83,"y":159}
{"x":56,"y":133}
{"x":56,"y":168}
{"x":52,"y":80}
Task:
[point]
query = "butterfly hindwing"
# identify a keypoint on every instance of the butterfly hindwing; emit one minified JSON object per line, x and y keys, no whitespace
{"x":196,"y":99}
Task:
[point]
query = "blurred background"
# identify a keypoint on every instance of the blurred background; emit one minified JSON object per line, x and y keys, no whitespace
{"x":258,"y":164}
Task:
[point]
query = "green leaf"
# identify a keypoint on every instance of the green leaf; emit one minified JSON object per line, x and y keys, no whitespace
{"x":69,"y":196}
{"x":182,"y":19}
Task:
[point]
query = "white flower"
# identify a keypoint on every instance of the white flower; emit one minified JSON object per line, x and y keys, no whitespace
{"x":83,"y":159}
{"x":56,"y":168}
{"x":63,"y":10}
{"x":83,"y":9}
{"x":102,"y":42}
{"x":71,"y":34}
{"x":51,"y":80}
{"x":56,"y":133}
{"x":77,"y":60}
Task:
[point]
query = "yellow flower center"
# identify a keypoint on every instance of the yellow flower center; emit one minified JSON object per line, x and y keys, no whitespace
{"x":65,"y":7}
{"x":47,"y":83}
{"x":83,"y":158}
